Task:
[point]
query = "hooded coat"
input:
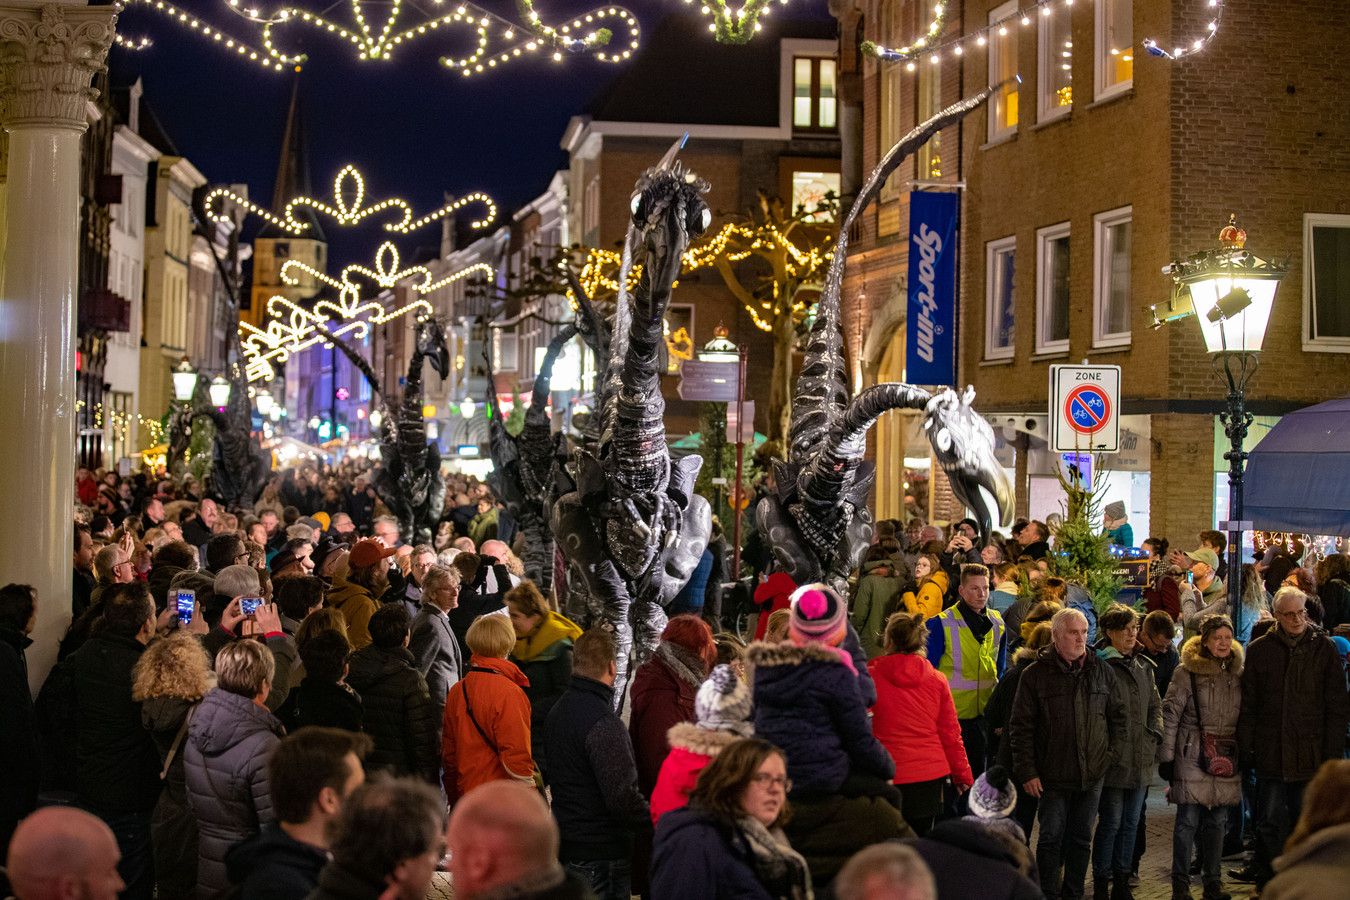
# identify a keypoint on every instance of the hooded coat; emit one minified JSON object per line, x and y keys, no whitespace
{"x":397,"y":711}
{"x":928,"y":599}
{"x":661,"y":697}
{"x":809,"y":704}
{"x":695,"y":855}
{"x":357,"y":606}
{"x":877,"y":590}
{"x":692,"y":747}
{"x":502,"y":711}
{"x":226,"y":753}
{"x":915,"y":720}
{"x":173,"y":825}
{"x":1220,"y":688}
{"x":1137,"y":749}
{"x":1294,"y":704}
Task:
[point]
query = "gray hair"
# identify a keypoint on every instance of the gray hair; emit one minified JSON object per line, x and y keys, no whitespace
{"x":900,"y":868}
{"x":1290,"y":593}
{"x":237,"y":581}
{"x":243,"y":667}
{"x":111,"y":555}
{"x":439,"y":576}
{"x":1060,"y":620}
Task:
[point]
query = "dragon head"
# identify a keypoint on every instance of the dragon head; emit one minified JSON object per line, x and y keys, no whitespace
{"x":963,"y":443}
{"x":431,"y":344}
{"x":668,"y":213}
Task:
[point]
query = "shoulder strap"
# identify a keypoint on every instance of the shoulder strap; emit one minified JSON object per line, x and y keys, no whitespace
{"x":468,"y":708}
{"x":1195,"y":698}
{"x":177,"y":741}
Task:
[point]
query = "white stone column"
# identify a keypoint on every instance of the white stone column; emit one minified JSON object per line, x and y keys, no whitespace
{"x":48,"y":55}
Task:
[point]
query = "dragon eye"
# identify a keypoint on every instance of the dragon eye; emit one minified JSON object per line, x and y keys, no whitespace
{"x":707,"y":218}
{"x":636,"y":204}
{"x":944,"y":440}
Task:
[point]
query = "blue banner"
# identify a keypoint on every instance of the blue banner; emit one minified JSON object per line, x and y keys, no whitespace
{"x":930,"y":343}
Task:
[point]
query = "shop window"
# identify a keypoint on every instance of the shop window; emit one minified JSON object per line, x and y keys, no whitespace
{"x":1326,"y":283}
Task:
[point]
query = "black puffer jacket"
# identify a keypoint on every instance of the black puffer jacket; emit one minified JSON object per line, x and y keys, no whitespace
{"x":1294,"y":704}
{"x":118,"y":767}
{"x":1066,"y":722}
{"x":228,"y":743}
{"x":274,"y":866}
{"x":397,"y":712}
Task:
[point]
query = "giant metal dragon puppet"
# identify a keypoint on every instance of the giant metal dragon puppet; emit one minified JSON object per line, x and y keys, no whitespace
{"x":627,"y":519}
{"x":410,"y":481}
{"x":817,"y":520}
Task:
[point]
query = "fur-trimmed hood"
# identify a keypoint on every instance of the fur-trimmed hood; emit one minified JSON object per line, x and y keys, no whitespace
{"x":764,"y":654}
{"x":1193,"y":660}
{"x":688,"y":736}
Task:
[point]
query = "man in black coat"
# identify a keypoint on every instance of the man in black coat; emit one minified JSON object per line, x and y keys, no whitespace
{"x":1294,"y":714}
{"x":593,"y":774}
{"x":19,"y":751}
{"x":309,"y":775}
{"x":117,"y":765}
{"x":397,"y":709}
{"x":1067,"y":717}
{"x":82,"y":577}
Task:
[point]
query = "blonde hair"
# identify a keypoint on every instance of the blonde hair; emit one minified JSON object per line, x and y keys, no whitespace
{"x":243,"y":667}
{"x":173,"y":666}
{"x":777,"y":628}
{"x":491,"y":635}
{"x":905,"y":633}
{"x":525,"y":598}
{"x":326,"y":619}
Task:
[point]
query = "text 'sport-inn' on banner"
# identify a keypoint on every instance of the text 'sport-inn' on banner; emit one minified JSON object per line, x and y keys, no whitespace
{"x":930,"y":346}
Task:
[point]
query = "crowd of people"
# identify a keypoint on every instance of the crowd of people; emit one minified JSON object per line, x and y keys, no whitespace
{"x":291,"y":702}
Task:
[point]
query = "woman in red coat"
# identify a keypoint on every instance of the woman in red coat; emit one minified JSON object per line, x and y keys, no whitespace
{"x":664,"y":690}
{"x":915,"y":720}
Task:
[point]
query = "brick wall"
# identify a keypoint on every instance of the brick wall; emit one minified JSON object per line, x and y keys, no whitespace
{"x":1182,"y":485}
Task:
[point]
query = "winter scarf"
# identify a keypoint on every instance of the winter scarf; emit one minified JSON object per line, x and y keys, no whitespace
{"x":685,"y":665}
{"x":774,"y":860}
{"x":551,"y":629}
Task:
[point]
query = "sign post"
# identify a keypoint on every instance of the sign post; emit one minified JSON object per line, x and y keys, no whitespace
{"x":740,"y":456}
{"x":1085,"y":409}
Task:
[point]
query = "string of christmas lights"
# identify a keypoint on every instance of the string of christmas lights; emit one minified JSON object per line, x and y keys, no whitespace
{"x":735,"y":27}
{"x":131,"y":43}
{"x":120,"y":423}
{"x":349,"y":181}
{"x":736,"y":241}
{"x":593,"y":31}
{"x":900,"y":54}
{"x":1198,"y":44}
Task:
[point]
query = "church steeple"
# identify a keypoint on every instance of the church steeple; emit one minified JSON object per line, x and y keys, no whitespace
{"x":293,"y":171}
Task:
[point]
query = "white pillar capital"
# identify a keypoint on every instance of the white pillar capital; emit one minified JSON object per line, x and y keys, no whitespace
{"x":48,"y":56}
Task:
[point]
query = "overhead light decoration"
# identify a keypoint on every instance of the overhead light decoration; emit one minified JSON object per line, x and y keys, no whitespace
{"x":292,"y":328}
{"x":735,"y":26}
{"x":495,"y":39}
{"x":921,"y":44}
{"x":1195,"y":45}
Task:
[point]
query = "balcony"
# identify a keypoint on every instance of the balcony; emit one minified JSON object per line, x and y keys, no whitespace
{"x":101,"y":309}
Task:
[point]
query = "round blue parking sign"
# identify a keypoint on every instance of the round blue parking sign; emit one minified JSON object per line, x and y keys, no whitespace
{"x":1087,"y":408}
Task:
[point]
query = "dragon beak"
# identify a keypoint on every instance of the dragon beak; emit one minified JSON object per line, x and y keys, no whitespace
{"x":668,"y":160}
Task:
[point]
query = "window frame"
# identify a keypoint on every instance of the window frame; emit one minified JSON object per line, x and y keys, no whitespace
{"x":1101,"y":55}
{"x":992,"y":250}
{"x":1046,"y":110}
{"x":1311,"y":341}
{"x":1045,"y":238}
{"x":815,"y":99}
{"x":1101,"y":223}
{"x":1001,"y":14}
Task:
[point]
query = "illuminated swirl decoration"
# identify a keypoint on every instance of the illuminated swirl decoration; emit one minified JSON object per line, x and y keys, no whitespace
{"x":496,"y":40}
{"x":738,"y":26}
{"x":293,"y":328}
{"x":350,"y":182}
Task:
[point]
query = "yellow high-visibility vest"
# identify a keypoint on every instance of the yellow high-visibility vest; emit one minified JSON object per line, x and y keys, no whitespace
{"x":970,"y":666}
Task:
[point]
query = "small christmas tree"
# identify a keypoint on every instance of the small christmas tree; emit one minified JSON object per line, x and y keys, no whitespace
{"x":1082,"y":550}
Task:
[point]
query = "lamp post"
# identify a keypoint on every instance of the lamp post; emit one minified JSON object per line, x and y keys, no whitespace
{"x":1231,"y":292}
{"x":184,"y":381}
{"x":219,"y":391}
{"x":719,"y":350}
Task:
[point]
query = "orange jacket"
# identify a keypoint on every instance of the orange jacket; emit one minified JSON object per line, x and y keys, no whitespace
{"x":494,"y":689}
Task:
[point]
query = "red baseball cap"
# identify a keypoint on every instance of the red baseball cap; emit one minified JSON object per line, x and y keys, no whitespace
{"x":367,"y":553}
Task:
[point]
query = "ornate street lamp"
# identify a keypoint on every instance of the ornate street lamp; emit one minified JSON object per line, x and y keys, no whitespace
{"x":184,"y":381}
{"x":1231,"y":291}
{"x":219,"y":391}
{"x":720,"y":348}
{"x":264,"y":401}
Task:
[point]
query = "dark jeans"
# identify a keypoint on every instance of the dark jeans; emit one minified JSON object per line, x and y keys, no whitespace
{"x":975,"y":735}
{"x":1210,"y":821}
{"x":137,"y":866}
{"x":1066,"y":839}
{"x":1278,"y":806}
{"x":608,"y":879}
{"x":1140,"y":835}
{"x":1117,"y":822}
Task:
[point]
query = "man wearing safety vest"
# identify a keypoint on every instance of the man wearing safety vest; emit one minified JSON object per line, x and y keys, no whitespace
{"x":965,"y":644}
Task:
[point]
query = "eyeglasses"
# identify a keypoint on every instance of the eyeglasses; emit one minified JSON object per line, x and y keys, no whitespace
{"x":1294,"y":614}
{"x":243,"y":555}
{"x":125,"y":562}
{"x":764,"y":779}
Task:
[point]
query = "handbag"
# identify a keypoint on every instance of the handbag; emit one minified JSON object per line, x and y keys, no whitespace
{"x":1218,"y":752}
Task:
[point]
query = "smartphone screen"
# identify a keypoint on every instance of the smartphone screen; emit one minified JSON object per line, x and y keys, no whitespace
{"x":186,"y":600}
{"x":249,"y":605}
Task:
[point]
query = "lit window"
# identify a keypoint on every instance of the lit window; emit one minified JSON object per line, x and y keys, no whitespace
{"x":809,"y":190}
{"x":813,"y":94}
{"x":1115,"y":50}
{"x":1000,"y":299}
{"x":930,"y":104}
{"x":1002,"y":66}
{"x":1111,"y":278}
{"x":1054,"y":64}
{"x":1326,"y":282}
{"x":1052,"y":289}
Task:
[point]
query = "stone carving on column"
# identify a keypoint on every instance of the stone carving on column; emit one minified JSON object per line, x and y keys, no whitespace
{"x":48,"y":57}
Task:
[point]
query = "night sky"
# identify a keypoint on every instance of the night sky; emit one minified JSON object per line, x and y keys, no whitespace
{"x":413,"y":127}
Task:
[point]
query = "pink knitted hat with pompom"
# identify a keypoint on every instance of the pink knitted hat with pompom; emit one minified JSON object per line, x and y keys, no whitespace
{"x":817,"y":615}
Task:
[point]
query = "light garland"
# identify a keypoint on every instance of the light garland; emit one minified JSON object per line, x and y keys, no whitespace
{"x":736,"y":27}
{"x":737,"y":241}
{"x":116,"y":421}
{"x":352,"y":215}
{"x":592,"y":31}
{"x":900,"y":54}
{"x":1196,"y":45}
{"x":130,"y":43}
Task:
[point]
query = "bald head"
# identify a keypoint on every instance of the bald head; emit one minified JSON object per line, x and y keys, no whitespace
{"x":62,"y":853}
{"x":500,"y":833}
{"x":496,"y":549}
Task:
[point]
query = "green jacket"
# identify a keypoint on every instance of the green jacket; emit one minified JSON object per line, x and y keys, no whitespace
{"x":1137,"y":749}
{"x":877,"y":591}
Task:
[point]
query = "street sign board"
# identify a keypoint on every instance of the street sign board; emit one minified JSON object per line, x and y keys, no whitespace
{"x":747,"y":435}
{"x":1085,"y":409}
{"x":708,"y":381}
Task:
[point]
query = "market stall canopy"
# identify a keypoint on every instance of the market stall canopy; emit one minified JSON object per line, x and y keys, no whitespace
{"x":1298,"y":477}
